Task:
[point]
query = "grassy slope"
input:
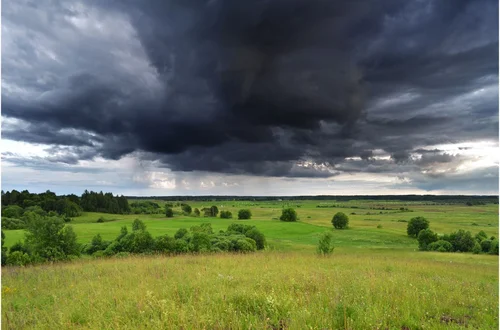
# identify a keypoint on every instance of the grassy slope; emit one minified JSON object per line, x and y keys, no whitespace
{"x":384,"y":290}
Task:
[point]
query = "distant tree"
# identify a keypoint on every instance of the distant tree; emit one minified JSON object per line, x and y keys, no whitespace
{"x":288,"y":215}
{"x":186,"y":209}
{"x":12,"y":211}
{"x":244,"y":214}
{"x":138,"y":225}
{"x":226,"y":215}
{"x":214,"y":211}
{"x":426,"y":237}
{"x":197,"y":212}
{"x":340,"y":220}
{"x":169,"y":212}
{"x":481,"y":236}
{"x":416,"y":225}
{"x":325,"y":244}
{"x":462,"y":241}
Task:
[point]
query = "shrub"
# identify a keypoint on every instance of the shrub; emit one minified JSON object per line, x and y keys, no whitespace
{"x":440,"y":246}
{"x":169,"y":212}
{"x":138,"y":225}
{"x":4,"y":250}
{"x":12,"y":211}
{"x":245,"y":245}
{"x":340,"y":221}
{"x":226,"y":215}
{"x":186,"y":209}
{"x":165,"y":244}
{"x":426,"y":237}
{"x":12,"y":223}
{"x":288,"y":215}
{"x":416,"y":225}
{"x":18,"y":258}
{"x":197,"y":212}
{"x":200,"y":242}
{"x":257,"y":236}
{"x":379,"y":226}
{"x":325,"y":244}
{"x":244,"y":214}
{"x":462,"y":241}
{"x":100,"y":220}
{"x":494,"y":247}
{"x":481,"y":236}
{"x":477,"y":248}
{"x":180,"y":233}
{"x":486,"y":245}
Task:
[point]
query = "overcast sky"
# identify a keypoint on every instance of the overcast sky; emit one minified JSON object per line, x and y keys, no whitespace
{"x":283,"y":97}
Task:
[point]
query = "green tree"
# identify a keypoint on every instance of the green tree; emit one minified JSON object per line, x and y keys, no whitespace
{"x":244,"y":214}
{"x":51,"y":239}
{"x":416,"y":225}
{"x":426,"y":237}
{"x":340,"y":220}
{"x":197,"y":212}
{"x":226,"y":215}
{"x":325,"y":244}
{"x":462,"y":241}
{"x":214,"y":211}
{"x":169,"y":212}
{"x":288,"y":215}
{"x":138,"y":225}
{"x":186,"y":209}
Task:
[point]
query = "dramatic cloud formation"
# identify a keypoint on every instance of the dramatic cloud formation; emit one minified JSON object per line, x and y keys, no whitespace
{"x":238,"y":89}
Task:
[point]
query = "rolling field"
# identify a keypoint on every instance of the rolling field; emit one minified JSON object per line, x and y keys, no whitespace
{"x":375,"y":278}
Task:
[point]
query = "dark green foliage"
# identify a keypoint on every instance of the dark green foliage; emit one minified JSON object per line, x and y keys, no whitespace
{"x":462,"y":241}
{"x":440,"y":246}
{"x":196,"y":212}
{"x":100,"y":220}
{"x":186,"y":209}
{"x":12,"y":223}
{"x":50,"y":239}
{"x":203,"y":228}
{"x":97,"y":244}
{"x":486,"y":245}
{"x":169,"y":212}
{"x":19,"y":246}
{"x":476,"y":249}
{"x":340,"y":220}
{"x":106,"y":203}
{"x":138,"y":225}
{"x":288,"y":215}
{"x":165,"y":244}
{"x":180,"y":233}
{"x":494,"y":247}
{"x":244,"y":214}
{"x":12,"y":211}
{"x":226,"y":215}
{"x":18,"y":258}
{"x":325,"y":244}
{"x":416,"y":225}
{"x":145,"y":207}
{"x":426,"y":237}
{"x":210,"y":211}
{"x":257,"y":236}
{"x":481,"y":236}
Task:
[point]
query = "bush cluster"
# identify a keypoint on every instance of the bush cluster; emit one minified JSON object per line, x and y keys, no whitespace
{"x":458,"y":241}
{"x":237,"y":238}
{"x":226,"y":215}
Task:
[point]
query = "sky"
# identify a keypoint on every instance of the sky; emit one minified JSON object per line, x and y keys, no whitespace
{"x":263,"y":97}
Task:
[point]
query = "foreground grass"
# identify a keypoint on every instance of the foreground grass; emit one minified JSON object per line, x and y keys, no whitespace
{"x":349,"y":290}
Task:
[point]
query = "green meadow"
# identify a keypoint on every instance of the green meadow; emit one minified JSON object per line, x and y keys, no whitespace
{"x":375,"y":279}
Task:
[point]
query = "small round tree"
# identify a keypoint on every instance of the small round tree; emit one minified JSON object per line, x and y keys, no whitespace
{"x":226,"y":214}
{"x":288,"y":215}
{"x":196,"y":212}
{"x":425,"y":238}
{"x":186,"y":209}
{"x":340,"y":220}
{"x":416,"y":225}
{"x":169,"y":212}
{"x":244,"y":214}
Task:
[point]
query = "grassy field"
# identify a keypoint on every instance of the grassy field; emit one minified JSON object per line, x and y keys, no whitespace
{"x":375,"y":278}
{"x":269,"y":290}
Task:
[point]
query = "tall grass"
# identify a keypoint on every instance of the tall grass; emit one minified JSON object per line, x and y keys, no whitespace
{"x":270,"y":290}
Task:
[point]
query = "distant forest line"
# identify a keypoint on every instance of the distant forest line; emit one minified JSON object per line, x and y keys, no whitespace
{"x":458,"y":199}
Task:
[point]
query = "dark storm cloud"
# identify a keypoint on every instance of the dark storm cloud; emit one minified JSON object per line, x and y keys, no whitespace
{"x":252,"y":87}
